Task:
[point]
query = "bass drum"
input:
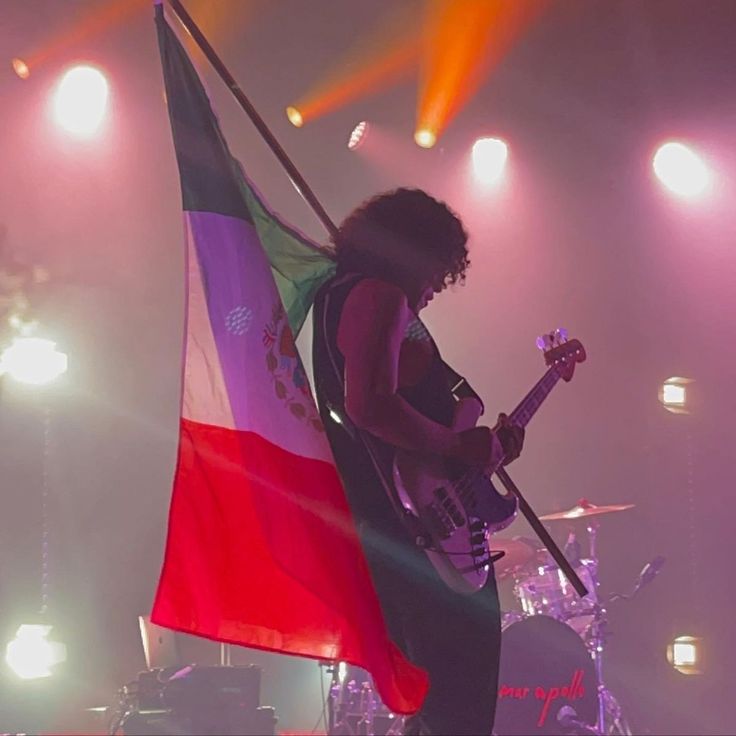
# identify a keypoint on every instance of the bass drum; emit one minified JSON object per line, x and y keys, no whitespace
{"x":544,"y":667}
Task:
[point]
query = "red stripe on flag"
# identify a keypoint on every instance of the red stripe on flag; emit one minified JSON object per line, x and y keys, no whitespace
{"x":262,"y":552}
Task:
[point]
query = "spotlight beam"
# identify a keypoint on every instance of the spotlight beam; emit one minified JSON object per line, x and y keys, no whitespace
{"x":464,"y":41}
{"x":99,"y":19}
{"x":385,"y":55}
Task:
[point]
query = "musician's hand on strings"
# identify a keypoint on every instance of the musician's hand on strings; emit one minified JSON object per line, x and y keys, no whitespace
{"x":478,"y":447}
{"x":488,"y":448}
{"x":511,"y":438}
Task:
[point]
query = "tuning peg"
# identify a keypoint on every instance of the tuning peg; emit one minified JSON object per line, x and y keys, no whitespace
{"x":561,"y":334}
{"x":545,"y":342}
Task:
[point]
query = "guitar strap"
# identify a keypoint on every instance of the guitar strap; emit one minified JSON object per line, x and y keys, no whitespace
{"x":460,"y":387}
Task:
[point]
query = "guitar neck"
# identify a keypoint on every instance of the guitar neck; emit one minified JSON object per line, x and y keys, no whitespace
{"x":528,"y":406}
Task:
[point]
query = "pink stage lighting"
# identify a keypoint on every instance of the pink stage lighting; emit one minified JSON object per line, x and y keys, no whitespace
{"x":489,"y":159}
{"x":680,"y":169}
{"x":80,"y":103}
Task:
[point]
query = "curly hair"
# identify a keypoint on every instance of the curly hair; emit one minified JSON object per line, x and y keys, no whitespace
{"x":401,"y":236}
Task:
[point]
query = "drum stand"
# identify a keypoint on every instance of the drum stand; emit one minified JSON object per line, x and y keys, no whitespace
{"x":353,"y":707}
{"x":610,"y":720}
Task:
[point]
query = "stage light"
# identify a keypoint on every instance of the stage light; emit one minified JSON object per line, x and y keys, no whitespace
{"x":342,"y":671}
{"x":685,"y":655}
{"x":295,"y":117}
{"x":680,"y":169}
{"x":33,"y":360}
{"x":489,"y":159}
{"x":358,"y":136}
{"x":21,"y":68}
{"x":425,"y":138}
{"x":673,"y":394}
{"x":81,"y":100}
{"x":31,"y":655}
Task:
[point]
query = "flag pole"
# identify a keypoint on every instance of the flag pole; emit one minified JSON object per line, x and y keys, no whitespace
{"x":293,"y":173}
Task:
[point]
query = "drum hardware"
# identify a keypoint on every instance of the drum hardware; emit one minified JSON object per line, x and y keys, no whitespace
{"x":546,"y":596}
{"x":647,"y":574}
{"x":568,"y":718}
{"x":354,"y":708}
{"x":610,"y":718}
{"x":565,"y":693}
{"x":583,"y":509}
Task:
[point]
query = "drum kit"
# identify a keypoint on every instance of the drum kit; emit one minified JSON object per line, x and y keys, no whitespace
{"x":551,"y":674}
{"x":552,"y":646}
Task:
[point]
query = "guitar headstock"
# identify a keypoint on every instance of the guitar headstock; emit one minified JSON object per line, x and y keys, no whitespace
{"x":561,"y":353}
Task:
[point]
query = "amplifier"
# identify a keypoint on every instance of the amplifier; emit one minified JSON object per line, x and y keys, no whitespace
{"x":199,"y":700}
{"x":260,"y":722}
{"x":217,"y":687}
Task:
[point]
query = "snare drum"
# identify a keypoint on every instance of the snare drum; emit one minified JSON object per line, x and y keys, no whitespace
{"x":547,"y":592}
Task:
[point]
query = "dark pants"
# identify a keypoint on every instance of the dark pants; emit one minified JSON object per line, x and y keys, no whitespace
{"x":456,"y":638}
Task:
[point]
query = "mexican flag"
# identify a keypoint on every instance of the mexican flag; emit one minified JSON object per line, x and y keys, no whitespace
{"x":261,"y":548}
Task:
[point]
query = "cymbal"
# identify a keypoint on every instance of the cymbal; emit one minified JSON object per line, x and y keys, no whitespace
{"x":517,"y":553}
{"x":585,"y":508}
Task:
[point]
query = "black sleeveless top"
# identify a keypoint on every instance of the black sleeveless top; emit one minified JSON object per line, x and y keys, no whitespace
{"x":408,"y":587}
{"x":424,"y":384}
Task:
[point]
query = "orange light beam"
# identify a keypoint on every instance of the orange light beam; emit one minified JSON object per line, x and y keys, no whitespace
{"x":216,"y":17}
{"x":390,"y":52}
{"x":464,"y":41}
{"x":371,"y":78}
{"x":99,"y":19}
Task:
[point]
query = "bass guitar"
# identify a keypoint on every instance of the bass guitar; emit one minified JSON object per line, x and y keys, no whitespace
{"x":455,"y":512}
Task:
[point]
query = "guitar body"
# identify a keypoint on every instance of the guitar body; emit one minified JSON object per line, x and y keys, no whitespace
{"x":455,"y":512}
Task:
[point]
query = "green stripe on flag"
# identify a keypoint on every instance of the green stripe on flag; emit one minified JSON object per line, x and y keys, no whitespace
{"x":212,"y":180}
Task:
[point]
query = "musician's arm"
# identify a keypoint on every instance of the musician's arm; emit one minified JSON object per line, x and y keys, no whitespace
{"x":371,"y":330}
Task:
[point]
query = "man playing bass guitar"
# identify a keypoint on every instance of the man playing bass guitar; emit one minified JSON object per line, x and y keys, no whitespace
{"x":382,"y":386}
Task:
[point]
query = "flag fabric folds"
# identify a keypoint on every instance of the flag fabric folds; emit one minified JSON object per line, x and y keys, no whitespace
{"x":261,"y":547}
